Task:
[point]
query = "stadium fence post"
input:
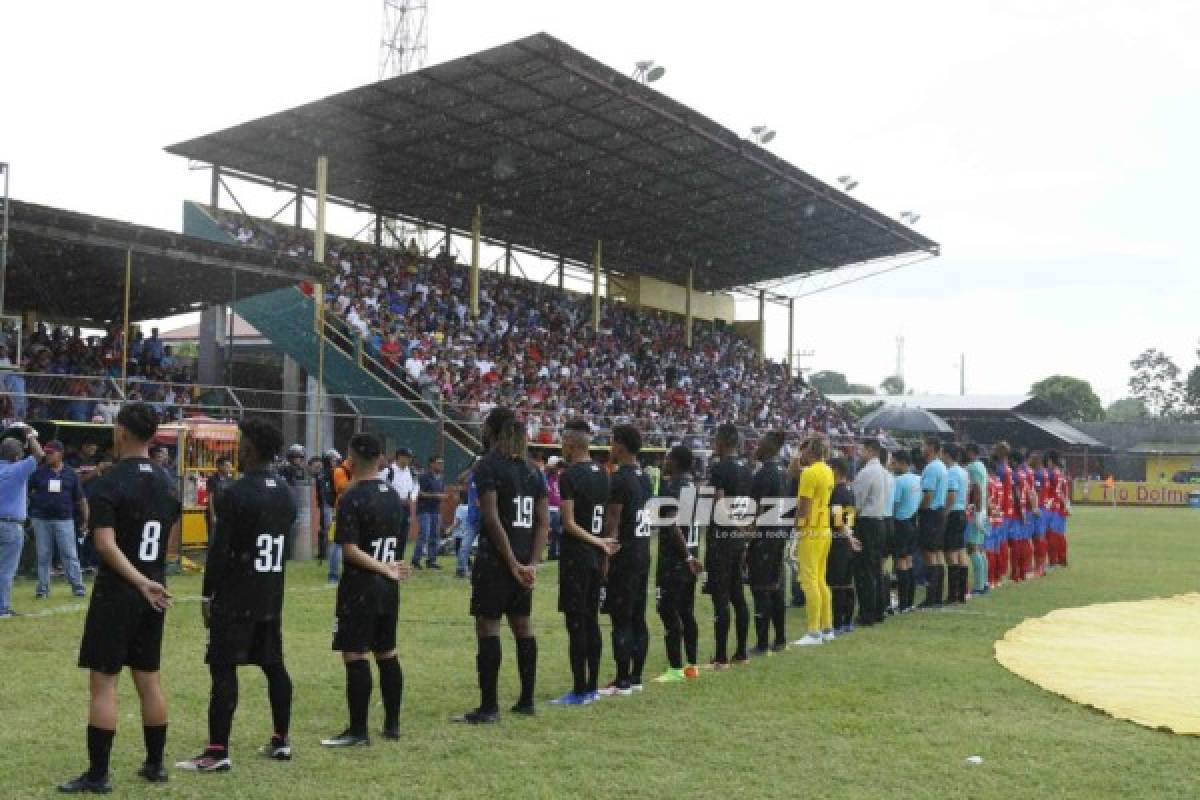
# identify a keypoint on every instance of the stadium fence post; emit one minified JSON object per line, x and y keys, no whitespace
{"x":596,"y":287}
{"x":476,"y":230}
{"x":319,"y":289}
{"x":687,"y":302}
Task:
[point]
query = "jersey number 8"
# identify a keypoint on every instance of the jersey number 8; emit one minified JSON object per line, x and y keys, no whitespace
{"x":523,"y":518}
{"x":270,"y":553}
{"x":151,"y":540}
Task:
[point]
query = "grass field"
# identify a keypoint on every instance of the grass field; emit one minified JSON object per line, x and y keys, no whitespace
{"x":889,"y":712}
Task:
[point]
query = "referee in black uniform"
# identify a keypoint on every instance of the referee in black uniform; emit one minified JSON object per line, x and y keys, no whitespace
{"x":134,"y":513}
{"x":368,"y":598}
{"x":242,"y":596}
{"x":516,"y":521}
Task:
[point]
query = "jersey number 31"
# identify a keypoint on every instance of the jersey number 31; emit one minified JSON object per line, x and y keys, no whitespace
{"x":270,"y":553}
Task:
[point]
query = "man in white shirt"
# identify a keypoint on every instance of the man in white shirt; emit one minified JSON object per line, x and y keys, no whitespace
{"x":400,"y":476}
{"x":870,"y":499}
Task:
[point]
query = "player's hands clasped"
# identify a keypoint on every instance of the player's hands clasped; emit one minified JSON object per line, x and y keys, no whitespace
{"x":399,"y":571}
{"x":610,"y":546}
{"x":526,"y":575}
{"x":156,"y":595}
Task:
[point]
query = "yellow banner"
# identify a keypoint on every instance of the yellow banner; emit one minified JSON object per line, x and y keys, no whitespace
{"x":1132,"y":493}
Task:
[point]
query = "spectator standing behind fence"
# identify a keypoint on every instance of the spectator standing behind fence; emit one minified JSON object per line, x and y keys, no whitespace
{"x":400,"y":476}
{"x":429,"y":512}
{"x":14,"y":478}
{"x":55,"y":493}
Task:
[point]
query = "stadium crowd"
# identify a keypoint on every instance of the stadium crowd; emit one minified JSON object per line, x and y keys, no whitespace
{"x":533,"y":348}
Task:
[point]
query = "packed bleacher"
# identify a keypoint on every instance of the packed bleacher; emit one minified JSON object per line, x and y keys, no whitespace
{"x":56,"y":372}
{"x":533,"y":347}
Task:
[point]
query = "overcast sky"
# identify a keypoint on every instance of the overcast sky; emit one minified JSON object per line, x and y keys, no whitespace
{"x":1050,"y":147}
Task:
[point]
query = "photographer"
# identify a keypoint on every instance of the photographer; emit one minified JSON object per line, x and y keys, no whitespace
{"x":14,"y":477}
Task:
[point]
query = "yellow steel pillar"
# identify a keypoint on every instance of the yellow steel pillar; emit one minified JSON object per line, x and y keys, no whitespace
{"x":762,"y":323}
{"x":596,"y":287}
{"x":687,"y":305}
{"x":476,"y":229}
{"x":319,"y":288}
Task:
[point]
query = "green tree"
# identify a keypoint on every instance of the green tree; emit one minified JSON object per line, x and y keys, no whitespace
{"x":892,"y":384}
{"x":1155,"y":381}
{"x":1127,"y":409}
{"x":1071,"y":398}
{"x":829,"y":382}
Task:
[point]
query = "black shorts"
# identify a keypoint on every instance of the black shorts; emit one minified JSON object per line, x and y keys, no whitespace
{"x":247,"y":641}
{"x":121,"y":630}
{"x":837,"y":566}
{"x":578,"y":588}
{"x":956,"y":531}
{"x":495,"y":592}
{"x":364,"y":633}
{"x":766,"y":560}
{"x":625,"y":590}
{"x":931,"y":530}
{"x":723,"y":566}
{"x":904,"y":537}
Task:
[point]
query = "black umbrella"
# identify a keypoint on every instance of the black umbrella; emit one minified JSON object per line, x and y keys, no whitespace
{"x":903,"y":418}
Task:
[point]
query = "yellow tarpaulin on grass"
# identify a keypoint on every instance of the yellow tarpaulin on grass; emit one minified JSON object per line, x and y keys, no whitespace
{"x":1138,"y":661}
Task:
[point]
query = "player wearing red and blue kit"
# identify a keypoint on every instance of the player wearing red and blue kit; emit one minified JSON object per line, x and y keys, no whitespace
{"x":1022,"y":556}
{"x":1010,"y":530}
{"x":1041,"y":512}
{"x":1058,"y":494}
{"x":995,"y":533}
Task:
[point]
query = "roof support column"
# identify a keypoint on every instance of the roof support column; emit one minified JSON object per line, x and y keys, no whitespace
{"x":299,"y":216}
{"x":319,"y":288}
{"x":791,"y":336}
{"x":446,"y":240}
{"x":762,"y":324}
{"x":476,"y":230}
{"x":508,"y":260}
{"x":214,"y":188}
{"x":687,"y":306}
{"x":596,"y":287}
{"x":562,"y":266}
{"x":378,"y":230}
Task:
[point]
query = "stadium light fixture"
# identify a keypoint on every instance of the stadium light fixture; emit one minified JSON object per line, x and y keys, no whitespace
{"x":646,"y":72}
{"x":848,"y":183}
{"x":762,"y":134}
{"x":909,"y":217}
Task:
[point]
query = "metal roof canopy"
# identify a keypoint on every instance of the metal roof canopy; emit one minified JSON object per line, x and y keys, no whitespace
{"x":71,"y":266}
{"x":561,"y":151}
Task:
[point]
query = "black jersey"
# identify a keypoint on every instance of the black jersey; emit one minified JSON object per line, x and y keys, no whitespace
{"x":841,"y":508}
{"x":585,"y":484}
{"x":768,"y":484}
{"x":518,"y":487}
{"x":369,"y":517}
{"x":732,"y":478}
{"x":630,"y":489}
{"x":244,"y":573}
{"x":136,"y":499}
{"x":672,"y":558}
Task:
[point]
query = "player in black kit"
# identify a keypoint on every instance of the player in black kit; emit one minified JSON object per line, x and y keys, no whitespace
{"x":726,"y":547}
{"x":516,"y":521}
{"x":675,"y":575}
{"x":242,"y":595}
{"x":766,"y":550}
{"x":134,"y":511}
{"x":369,"y":516}
{"x":584,"y":492}
{"x":628,"y":570}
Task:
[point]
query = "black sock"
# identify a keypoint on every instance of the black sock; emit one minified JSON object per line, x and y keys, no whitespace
{"x":964,"y":573}
{"x":527,"y":668}
{"x":391,"y":686}
{"x":762,"y":618}
{"x":358,"y":695}
{"x":487,"y":662}
{"x":934,"y":577}
{"x":721,"y":628}
{"x":155,"y":737}
{"x":577,"y":651}
{"x":622,"y":649}
{"x":222,"y":702}
{"x":641,"y":645}
{"x":279,"y":693}
{"x":99,"y":745}
{"x":595,"y":643}
{"x":741,"y":623}
{"x":779,"y":615}
{"x":904,"y":587}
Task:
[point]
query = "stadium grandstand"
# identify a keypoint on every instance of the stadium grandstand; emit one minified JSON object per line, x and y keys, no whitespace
{"x":537,"y":148}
